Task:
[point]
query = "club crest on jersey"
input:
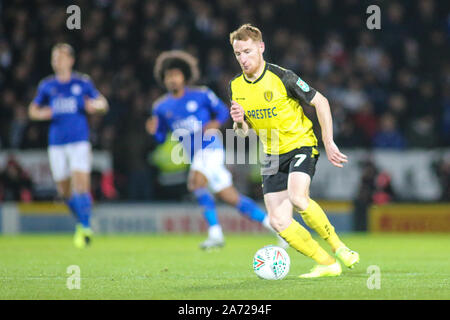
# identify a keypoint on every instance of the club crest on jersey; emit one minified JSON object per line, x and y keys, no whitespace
{"x":75,"y":89}
{"x":268,"y":95}
{"x":191,"y":106}
{"x":303,"y":85}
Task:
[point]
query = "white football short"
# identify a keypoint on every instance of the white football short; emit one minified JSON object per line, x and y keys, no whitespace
{"x":211,"y":162}
{"x":67,"y":158}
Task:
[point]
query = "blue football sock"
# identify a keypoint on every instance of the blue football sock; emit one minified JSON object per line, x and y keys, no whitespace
{"x":83,"y":207}
{"x":71,"y":203}
{"x":249,"y":208}
{"x":206,"y":201}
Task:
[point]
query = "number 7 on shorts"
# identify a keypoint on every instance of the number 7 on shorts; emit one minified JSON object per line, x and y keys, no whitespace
{"x":301,"y":157}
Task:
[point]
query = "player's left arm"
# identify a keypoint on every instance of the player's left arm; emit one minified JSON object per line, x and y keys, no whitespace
{"x":323,"y":112}
{"x":300,"y":90}
{"x":95,"y":102}
{"x":39,"y":108}
{"x":218,"y":109}
{"x":97,"y":105}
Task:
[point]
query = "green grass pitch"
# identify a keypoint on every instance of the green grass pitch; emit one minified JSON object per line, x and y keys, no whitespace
{"x":169,"y":267}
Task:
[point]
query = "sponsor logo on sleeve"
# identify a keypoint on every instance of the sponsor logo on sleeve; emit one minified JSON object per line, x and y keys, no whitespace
{"x":303,"y":85}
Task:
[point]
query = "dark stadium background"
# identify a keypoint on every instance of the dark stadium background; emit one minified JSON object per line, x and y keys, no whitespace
{"x":389,"y":89}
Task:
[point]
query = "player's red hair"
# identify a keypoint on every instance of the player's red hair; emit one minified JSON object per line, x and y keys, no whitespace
{"x":245,"y":32}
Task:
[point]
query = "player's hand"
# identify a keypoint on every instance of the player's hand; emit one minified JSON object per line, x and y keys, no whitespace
{"x":334,"y":155}
{"x":151,"y":125}
{"x":98,"y":105}
{"x":40,"y":113}
{"x":237,"y":112}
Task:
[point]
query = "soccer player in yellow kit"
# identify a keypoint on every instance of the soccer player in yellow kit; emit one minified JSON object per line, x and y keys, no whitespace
{"x":269,"y":99}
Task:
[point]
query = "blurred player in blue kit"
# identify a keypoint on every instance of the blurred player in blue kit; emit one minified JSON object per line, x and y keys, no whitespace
{"x":189,"y":111}
{"x":65,"y":99}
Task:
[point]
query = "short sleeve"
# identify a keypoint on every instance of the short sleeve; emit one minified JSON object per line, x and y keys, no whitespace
{"x":162,"y":129}
{"x":89,"y":89}
{"x":229,"y":92}
{"x":217,"y":107}
{"x":298,"y":88}
{"x":42,"y":97}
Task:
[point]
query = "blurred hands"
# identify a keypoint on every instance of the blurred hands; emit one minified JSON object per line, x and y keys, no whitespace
{"x":151,"y":125}
{"x":334,"y":155}
{"x":237,"y":112}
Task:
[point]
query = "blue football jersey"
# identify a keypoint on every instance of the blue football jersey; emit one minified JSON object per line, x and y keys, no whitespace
{"x":186,"y":116}
{"x":66,"y":99}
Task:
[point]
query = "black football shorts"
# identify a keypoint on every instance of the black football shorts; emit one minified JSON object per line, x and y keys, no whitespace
{"x":275,"y":169}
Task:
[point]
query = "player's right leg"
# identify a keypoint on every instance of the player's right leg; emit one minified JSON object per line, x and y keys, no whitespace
{"x":316,"y":219}
{"x":60,"y":169}
{"x":280,"y":209}
{"x":197,"y":184}
{"x":301,"y":171}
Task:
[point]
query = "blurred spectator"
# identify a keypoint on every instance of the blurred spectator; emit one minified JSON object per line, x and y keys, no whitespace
{"x":374,"y":188}
{"x":354,"y":96}
{"x":397,"y":106}
{"x":445,"y":121}
{"x":367,"y":122}
{"x":15,"y":184}
{"x":383,"y":193}
{"x":442,"y":170}
{"x":426,"y":100}
{"x":348,"y":136}
{"x":102,"y":186}
{"x":18,"y":127}
{"x":364,"y":197}
{"x":422,"y":132}
{"x":389,"y":136}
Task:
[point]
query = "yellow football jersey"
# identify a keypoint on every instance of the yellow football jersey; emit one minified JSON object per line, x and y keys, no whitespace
{"x":272,"y":106}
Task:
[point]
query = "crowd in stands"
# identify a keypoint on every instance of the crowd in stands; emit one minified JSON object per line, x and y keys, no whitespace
{"x":388,"y":88}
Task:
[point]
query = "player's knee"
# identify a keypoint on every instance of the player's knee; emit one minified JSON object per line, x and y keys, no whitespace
{"x":192,"y":186}
{"x":230,"y":195}
{"x":196,"y":183}
{"x":278,"y":221}
{"x":63,"y":188}
{"x":299,"y":201}
{"x":81,"y":182}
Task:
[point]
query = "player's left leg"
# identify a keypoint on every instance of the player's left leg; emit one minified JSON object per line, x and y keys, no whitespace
{"x":197,"y":184}
{"x":60,"y":170}
{"x":315,"y":217}
{"x":79,"y":155}
{"x":82,"y":201}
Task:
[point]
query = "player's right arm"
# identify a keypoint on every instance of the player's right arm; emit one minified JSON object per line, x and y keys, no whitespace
{"x":35,"y":112}
{"x":240,"y":126}
{"x":38,"y":108}
{"x":156,"y":126}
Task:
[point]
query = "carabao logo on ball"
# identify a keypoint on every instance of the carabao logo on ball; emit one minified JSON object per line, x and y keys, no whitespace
{"x":303,"y":85}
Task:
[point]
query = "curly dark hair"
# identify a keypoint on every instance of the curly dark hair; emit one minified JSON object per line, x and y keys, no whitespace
{"x":176,"y":59}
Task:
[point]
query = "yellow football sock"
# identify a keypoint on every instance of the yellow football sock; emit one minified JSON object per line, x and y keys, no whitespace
{"x":300,"y":239}
{"x":316,"y":219}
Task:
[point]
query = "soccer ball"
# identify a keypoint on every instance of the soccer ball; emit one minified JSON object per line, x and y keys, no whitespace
{"x":271,"y":263}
